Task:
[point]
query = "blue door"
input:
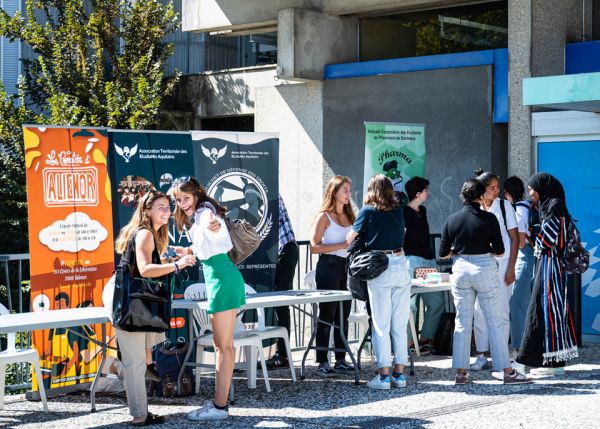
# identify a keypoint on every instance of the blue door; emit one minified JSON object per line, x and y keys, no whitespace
{"x":577,"y":165}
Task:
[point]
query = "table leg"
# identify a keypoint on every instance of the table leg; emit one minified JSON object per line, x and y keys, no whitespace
{"x":315,"y":320}
{"x":99,"y":371}
{"x":190,"y":323}
{"x":345,"y":341}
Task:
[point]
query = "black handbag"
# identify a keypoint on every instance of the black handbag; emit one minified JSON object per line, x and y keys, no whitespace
{"x":140,"y":304}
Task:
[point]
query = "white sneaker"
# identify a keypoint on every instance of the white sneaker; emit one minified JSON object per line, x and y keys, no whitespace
{"x":519,"y":367}
{"x":480,"y":363}
{"x":379,"y":384}
{"x":547,"y":372}
{"x":208,"y":412}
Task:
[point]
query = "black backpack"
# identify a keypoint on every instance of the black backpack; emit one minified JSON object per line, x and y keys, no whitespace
{"x":575,"y":259}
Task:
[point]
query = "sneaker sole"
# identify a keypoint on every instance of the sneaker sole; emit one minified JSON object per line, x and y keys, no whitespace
{"x":379,"y":387}
{"x":398,"y":385}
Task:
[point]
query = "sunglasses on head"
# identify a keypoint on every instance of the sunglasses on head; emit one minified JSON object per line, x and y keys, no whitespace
{"x":182,"y":180}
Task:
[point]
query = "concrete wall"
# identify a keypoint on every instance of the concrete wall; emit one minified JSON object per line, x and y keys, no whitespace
{"x":215,"y":15}
{"x":295,"y":112}
{"x":454,"y":104}
{"x":224,"y":93}
{"x":308,"y":40}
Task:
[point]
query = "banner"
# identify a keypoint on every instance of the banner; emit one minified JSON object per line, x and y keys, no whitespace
{"x":396,"y":150}
{"x":70,"y":242}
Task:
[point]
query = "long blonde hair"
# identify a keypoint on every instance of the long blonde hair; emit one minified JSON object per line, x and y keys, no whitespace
{"x":192,"y":186}
{"x":333,"y":186}
{"x":380,"y":193}
{"x":141,"y":220}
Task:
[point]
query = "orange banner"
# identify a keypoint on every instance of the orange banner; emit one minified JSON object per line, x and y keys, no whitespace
{"x":70,"y":242}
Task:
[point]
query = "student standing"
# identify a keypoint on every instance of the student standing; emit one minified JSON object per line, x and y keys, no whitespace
{"x":472,"y":237}
{"x":148,"y":227}
{"x":225,"y":289}
{"x":514,"y":191}
{"x":549,"y":339}
{"x":382,"y":223}
{"x":507,"y":219}
{"x":419,"y":254}
{"x":328,"y":239}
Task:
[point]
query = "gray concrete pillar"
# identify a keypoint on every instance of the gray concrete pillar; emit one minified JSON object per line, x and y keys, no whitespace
{"x":308,"y":40}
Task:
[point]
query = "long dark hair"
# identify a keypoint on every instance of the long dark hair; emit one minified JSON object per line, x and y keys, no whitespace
{"x":380,"y":193}
{"x":192,"y":186}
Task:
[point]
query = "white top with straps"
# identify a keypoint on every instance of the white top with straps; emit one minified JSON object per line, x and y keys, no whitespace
{"x":334,"y":234}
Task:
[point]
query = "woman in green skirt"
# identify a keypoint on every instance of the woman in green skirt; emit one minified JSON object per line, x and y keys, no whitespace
{"x":225,"y":288}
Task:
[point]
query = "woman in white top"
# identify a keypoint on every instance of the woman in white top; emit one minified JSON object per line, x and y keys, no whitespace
{"x":328,"y":238}
{"x":225,"y":288}
{"x":505,"y":213}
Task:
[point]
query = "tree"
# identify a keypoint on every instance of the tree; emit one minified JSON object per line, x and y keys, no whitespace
{"x":94,"y":63}
{"x":99,"y":62}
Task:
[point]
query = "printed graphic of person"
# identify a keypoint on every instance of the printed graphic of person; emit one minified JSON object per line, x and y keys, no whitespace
{"x":390,"y":170}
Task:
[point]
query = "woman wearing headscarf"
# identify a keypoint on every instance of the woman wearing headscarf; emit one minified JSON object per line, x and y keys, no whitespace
{"x":549,"y":339}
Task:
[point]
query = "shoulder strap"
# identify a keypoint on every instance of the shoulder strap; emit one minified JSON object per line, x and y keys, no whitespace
{"x":503,"y":210}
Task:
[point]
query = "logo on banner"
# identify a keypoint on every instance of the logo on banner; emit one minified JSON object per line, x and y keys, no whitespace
{"x":213,"y":154}
{"x":125,"y":152}
{"x":245,"y":195}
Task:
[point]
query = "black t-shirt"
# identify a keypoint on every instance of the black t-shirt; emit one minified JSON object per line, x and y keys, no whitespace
{"x":416,"y":237}
{"x":471,"y":231}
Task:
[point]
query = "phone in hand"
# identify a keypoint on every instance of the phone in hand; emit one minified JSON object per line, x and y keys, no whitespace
{"x":170,"y":255}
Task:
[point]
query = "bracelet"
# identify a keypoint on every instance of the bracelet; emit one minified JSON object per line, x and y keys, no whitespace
{"x":176,"y":267}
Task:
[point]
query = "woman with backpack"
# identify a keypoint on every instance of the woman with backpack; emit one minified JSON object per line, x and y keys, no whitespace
{"x":549,"y":339}
{"x":514,"y":192}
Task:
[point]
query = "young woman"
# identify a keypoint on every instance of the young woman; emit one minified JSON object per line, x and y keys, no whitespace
{"x":382,"y":223}
{"x":148,"y":227}
{"x":328,"y":239}
{"x":419,"y":254}
{"x":514,"y":191}
{"x":472,"y":236}
{"x":549,"y":339}
{"x":225,"y":288}
{"x":507,"y":219}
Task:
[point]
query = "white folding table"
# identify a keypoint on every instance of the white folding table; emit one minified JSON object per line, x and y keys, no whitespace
{"x":291,"y":298}
{"x":68,"y":318}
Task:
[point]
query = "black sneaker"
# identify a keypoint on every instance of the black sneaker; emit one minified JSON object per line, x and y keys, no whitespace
{"x":343,"y":367}
{"x":325,"y":370}
{"x":151,"y":373}
{"x":277,"y":362}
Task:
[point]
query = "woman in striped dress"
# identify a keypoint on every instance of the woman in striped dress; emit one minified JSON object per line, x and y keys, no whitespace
{"x":549,"y":339}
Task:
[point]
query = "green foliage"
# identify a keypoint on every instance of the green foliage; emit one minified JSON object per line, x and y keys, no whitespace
{"x":99,"y":63}
{"x":94,"y":63}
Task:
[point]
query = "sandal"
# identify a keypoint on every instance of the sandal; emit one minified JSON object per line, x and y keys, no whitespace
{"x":151,"y":419}
{"x":462,"y":379}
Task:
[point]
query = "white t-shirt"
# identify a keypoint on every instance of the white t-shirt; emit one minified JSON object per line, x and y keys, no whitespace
{"x":523,"y":217}
{"x":206,"y":243}
{"x":511,"y":223}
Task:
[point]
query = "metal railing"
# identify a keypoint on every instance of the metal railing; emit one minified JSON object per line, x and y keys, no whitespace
{"x":16,"y":272}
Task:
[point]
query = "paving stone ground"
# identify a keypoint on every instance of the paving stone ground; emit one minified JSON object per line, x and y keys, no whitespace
{"x":429,"y":401}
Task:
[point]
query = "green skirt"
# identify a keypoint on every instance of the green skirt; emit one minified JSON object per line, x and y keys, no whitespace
{"x":225,"y":289}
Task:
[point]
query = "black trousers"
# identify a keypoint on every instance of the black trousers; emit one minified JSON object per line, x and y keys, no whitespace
{"x":287,"y":260}
{"x":331,"y":274}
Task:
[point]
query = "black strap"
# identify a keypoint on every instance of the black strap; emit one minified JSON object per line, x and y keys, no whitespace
{"x":503,"y":210}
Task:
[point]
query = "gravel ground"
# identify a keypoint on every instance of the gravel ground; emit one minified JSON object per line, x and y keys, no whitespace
{"x":429,"y":401}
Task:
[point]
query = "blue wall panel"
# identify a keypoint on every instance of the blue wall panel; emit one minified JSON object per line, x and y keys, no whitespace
{"x":582,"y":57}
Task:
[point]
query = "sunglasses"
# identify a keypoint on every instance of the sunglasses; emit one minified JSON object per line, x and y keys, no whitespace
{"x":182,"y":180}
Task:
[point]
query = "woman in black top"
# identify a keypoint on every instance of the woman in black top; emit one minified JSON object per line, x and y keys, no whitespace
{"x":472,"y":235}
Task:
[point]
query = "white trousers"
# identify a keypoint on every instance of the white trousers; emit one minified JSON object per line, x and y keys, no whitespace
{"x":389,"y":297}
{"x":482,"y":339}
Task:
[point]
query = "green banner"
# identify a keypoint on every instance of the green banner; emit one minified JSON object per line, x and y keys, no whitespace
{"x":396,"y":150}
